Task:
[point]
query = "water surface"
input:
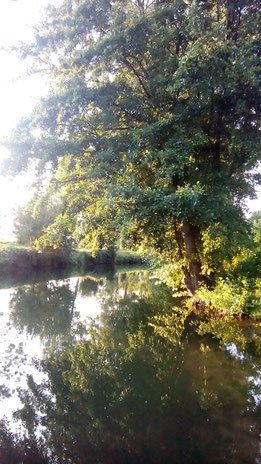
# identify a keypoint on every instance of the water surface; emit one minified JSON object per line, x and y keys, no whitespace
{"x":111,"y":369}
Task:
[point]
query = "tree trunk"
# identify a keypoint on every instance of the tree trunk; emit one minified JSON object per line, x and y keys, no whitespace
{"x":192,"y":274}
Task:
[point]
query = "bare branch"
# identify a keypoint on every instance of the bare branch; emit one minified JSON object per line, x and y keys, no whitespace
{"x":130,"y":65}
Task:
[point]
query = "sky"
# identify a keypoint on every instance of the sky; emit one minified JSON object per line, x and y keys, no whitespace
{"x":19,"y":93}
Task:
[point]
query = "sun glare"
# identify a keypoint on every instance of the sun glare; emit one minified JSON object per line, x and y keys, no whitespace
{"x":18,"y":95}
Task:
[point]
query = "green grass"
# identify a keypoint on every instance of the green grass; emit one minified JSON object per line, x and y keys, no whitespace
{"x":11,"y":246}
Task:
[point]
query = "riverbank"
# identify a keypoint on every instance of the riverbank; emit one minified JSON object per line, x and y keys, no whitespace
{"x":20,"y":265}
{"x":17,"y":258}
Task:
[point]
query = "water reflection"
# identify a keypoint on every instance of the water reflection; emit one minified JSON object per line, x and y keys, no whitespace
{"x":44,"y":309}
{"x":144,"y":382}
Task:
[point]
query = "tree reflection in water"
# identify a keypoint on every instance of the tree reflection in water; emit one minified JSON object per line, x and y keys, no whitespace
{"x":44,"y":309}
{"x":147,"y":382}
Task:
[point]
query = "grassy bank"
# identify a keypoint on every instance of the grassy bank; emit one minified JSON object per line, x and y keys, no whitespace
{"x":17,"y":258}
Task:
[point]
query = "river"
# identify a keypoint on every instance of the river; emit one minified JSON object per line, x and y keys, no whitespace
{"x":113,"y":369}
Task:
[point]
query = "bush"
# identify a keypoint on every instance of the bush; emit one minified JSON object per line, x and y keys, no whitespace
{"x":226,"y":298}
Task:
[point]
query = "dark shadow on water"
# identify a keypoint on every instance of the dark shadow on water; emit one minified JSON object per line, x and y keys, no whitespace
{"x":24,"y":277}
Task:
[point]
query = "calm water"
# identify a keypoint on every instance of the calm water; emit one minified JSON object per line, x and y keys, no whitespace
{"x":110,"y":369}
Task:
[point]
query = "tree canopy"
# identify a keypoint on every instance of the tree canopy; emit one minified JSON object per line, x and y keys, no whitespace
{"x":151,"y":123}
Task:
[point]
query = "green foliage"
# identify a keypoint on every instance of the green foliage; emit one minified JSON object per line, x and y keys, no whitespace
{"x":56,"y":236}
{"x":256,"y":300}
{"x":172,"y":275}
{"x":32,"y":218}
{"x":257,"y":229}
{"x":226,"y":297}
{"x":11,"y":246}
{"x":224,"y":246}
{"x":128,"y":257}
{"x":151,"y":123}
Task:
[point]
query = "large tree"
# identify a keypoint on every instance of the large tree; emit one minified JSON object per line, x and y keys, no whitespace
{"x":151,"y":123}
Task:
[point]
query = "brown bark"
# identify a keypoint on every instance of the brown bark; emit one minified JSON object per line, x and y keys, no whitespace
{"x":193,"y":272}
{"x":179,"y":241}
{"x":186,"y":243}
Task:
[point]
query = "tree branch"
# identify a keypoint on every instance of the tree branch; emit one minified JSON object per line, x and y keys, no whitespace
{"x":140,"y":81}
